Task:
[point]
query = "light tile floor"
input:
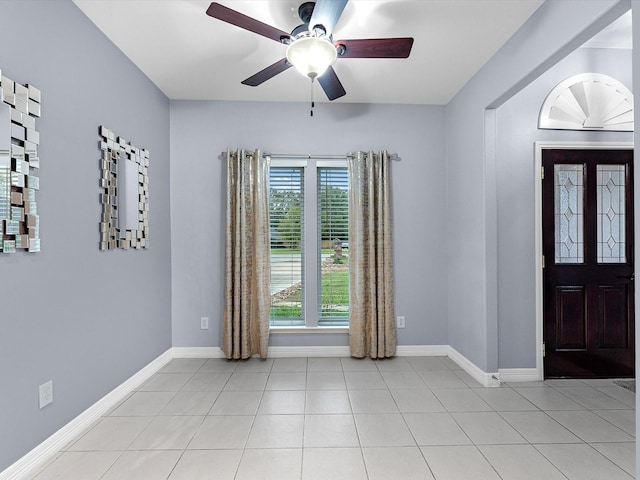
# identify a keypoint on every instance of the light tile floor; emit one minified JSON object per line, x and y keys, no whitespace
{"x":341,"y":418}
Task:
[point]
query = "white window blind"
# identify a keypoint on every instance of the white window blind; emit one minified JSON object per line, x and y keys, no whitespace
{"x":333,"y":246}
{"x":286,"y":217}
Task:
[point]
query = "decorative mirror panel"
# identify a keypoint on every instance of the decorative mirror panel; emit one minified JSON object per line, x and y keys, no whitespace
{"x":125,"y":193}
{"x":19,"y":221}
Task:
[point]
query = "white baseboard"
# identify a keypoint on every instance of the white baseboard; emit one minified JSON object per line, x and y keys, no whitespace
{"x":197,"y":352}
{"x":52,"y":445}
{"x":485,"y":379}
{"x":422,"y":350}
{"x":519,"y":375}
{"x":313,"y":351}
{"x":274,"y":352}
{"x":309,"y":351}
{"x":326,"y":351}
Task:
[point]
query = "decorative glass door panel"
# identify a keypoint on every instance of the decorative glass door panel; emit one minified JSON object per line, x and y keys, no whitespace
{"x":611,"y":183}
{"x":569,"y":213}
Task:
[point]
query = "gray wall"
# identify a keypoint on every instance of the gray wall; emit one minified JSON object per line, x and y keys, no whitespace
{"x":201,"y":130}
{"x":552,"y":32}
{"x":517,"y":130}
{"x":83,"y":318}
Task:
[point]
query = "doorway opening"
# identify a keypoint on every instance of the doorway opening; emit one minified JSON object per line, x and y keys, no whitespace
{"x":567,"y":282}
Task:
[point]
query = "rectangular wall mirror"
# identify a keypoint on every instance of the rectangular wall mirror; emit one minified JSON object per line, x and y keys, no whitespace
{"x":124,"y":197}
{"x":19,"y":221}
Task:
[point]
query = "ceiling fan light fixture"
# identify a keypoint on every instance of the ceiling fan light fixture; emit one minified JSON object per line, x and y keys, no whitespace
{"x":311,"y":55}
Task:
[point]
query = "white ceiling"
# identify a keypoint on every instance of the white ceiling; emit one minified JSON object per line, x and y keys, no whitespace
{"x":190,"y":55}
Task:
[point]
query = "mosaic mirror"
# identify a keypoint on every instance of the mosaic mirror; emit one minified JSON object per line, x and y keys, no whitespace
{"x":125,"y":193}
{"x":19,"y":162}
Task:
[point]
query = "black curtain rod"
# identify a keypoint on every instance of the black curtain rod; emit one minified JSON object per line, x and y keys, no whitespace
{"x":308,"y":156}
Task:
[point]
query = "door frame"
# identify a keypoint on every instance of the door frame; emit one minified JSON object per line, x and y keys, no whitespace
{"x":539,"y":146}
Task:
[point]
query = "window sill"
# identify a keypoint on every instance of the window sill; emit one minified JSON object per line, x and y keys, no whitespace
{"x":313,"y":330}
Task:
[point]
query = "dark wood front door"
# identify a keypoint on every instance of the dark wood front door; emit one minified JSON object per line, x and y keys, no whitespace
{"x":587,"y":224}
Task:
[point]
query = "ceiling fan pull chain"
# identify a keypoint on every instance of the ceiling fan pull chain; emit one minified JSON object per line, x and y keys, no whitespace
{"x":313,"y":104}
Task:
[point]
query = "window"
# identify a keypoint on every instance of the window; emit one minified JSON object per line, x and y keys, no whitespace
{"x":333,"y":235}
{"x":286,"y":217}
{"x":309,"y":226}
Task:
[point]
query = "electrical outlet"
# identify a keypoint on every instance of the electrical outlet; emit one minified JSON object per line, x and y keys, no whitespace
{"x":400,"y":322}
{"x":45,"y":392}
{"x":204,"y":323}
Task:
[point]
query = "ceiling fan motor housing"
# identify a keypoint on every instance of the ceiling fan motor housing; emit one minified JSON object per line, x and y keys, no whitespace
{"x":305,"y":11}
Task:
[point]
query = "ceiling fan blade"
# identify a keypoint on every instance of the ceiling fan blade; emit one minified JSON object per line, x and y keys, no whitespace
{"x":376,"y":48}
{"x":331,"y":85}
{"x":327,"y":13}
{"x":238,"y":19}
{"x":269,"y":72}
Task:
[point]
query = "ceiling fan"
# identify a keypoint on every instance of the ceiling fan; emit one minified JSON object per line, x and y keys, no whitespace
{"x":311,"y":48}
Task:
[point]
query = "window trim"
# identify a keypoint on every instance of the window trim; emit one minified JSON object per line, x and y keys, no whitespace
{"x":304,"y":329}
{"x":310,"y":272}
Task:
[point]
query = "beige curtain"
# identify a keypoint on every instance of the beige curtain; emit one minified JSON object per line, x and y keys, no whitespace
{"x":372,"y":328}
{"x":245,"y":329}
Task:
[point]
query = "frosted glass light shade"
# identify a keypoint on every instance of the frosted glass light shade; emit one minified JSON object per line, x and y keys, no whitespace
{"x":311,"y":55}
